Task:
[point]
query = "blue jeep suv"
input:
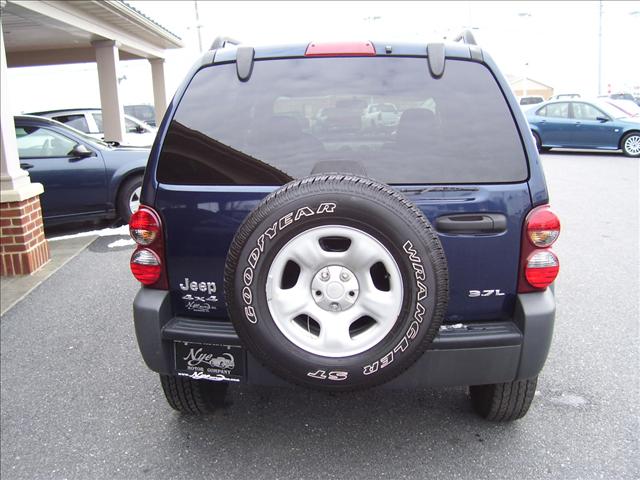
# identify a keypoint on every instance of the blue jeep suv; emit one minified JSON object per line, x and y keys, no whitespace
{"x":271,"y":251}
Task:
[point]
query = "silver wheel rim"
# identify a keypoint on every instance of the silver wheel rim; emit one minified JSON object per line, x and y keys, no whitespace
{"x":134,"y":200}
{"x":632,"y":145}
{"x":353,"y":312}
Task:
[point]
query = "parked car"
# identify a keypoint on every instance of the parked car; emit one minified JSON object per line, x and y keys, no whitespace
{"x":145,"y":113}
{"x":418,"y":260}
{"x":82,"y":177}
{"x":531,"y":100}
{"x":584,"y":124}
{"x":380,"y":115}
{"x":622,"y":96}
{"x":89,"y":121}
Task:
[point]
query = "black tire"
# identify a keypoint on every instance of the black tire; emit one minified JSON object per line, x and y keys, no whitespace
{"x":503,"y":402}
{"x":634,"y":136}
{"x":366,"y":206}
{"x":191,"y":396}
{"x":538,"y":142}
{"x":124,"y":194}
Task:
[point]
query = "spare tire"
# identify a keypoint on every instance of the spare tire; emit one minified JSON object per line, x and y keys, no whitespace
{"x":336,"y":282}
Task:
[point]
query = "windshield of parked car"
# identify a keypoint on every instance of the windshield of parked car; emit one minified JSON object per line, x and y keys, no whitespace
{"x":629,"y":108}
{"x":611,"y":110}
{"x":83,"y":136}
{"x":309,"y":115}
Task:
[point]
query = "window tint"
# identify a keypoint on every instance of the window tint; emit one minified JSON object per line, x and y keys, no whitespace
{"x":584,"y":111}
{"x":78,"y":121}
{"x":36,"y":142}
{"x":556,"y":110}
{"x":295,"y":117}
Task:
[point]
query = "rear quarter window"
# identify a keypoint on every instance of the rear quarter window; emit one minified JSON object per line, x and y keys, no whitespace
{"x":300,"y":116}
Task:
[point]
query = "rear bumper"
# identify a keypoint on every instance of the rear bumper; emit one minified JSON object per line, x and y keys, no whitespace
{"x":470,"y":354}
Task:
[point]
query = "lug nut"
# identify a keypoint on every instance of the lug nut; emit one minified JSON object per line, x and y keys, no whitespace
{"x":344,"y":276}
{"x":335,"y":307}
{"x":324,"y":275}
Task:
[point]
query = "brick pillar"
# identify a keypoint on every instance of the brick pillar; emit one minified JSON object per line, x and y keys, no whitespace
{"x":23,"y":248}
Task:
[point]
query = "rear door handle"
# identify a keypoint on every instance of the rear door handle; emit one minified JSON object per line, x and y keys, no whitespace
{"x":472,"y":223}
{"x":26,"y":166}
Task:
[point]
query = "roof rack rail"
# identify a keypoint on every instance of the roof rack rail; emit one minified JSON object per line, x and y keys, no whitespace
{"x":221,"y":42}
{"x":467,"y":37}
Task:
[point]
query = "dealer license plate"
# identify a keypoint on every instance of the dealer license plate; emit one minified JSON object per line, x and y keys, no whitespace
{"x":221,"y":363}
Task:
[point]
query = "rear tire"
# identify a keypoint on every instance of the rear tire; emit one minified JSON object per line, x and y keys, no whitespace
{"x":129,"y":197}
{"x":193,"y":397}
{"x":503,"y":402}
{"x":539,"y":146}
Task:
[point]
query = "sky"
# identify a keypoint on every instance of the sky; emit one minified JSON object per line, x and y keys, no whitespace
{"x":555,"y":43}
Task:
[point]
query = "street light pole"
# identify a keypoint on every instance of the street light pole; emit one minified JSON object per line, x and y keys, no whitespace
{"x":600,"y":49}
{"x":525,"y":16}
{"x":198,"y":26}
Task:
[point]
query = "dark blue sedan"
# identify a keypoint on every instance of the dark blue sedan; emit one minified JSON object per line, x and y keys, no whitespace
{"x":585,"y":125}
{"x":82,"y":177}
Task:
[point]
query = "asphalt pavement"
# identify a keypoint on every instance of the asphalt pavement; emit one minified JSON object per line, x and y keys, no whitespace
{"x":77,"y":401}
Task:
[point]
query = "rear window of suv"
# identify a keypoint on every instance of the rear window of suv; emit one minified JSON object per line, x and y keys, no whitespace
{"x":295,"y":117}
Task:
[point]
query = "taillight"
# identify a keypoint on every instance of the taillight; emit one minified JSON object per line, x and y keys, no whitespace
{"x":146,"y":262}
{"x":542,"y":268}
{"x":539,"y":266}
{"x":146,"y":266}
{"x":543,"y":227}
{"x":144,"y":226}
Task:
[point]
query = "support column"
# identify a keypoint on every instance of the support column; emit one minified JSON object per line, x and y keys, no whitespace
{"x":159,"y":89}
{"x":23,"y":248}
{"x":107,"y":58}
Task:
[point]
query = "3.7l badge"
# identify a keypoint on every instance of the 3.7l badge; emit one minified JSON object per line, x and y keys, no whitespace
{"x":485,"y":293}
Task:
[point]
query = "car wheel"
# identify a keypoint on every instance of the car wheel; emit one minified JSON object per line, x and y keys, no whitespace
{"x":336,"y":282}
{"x":129,"y":197}
{"x":503,"y":402}
{"x":539,"y":146}
{"x":631,"y":144}
{"x":191,"y":396}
